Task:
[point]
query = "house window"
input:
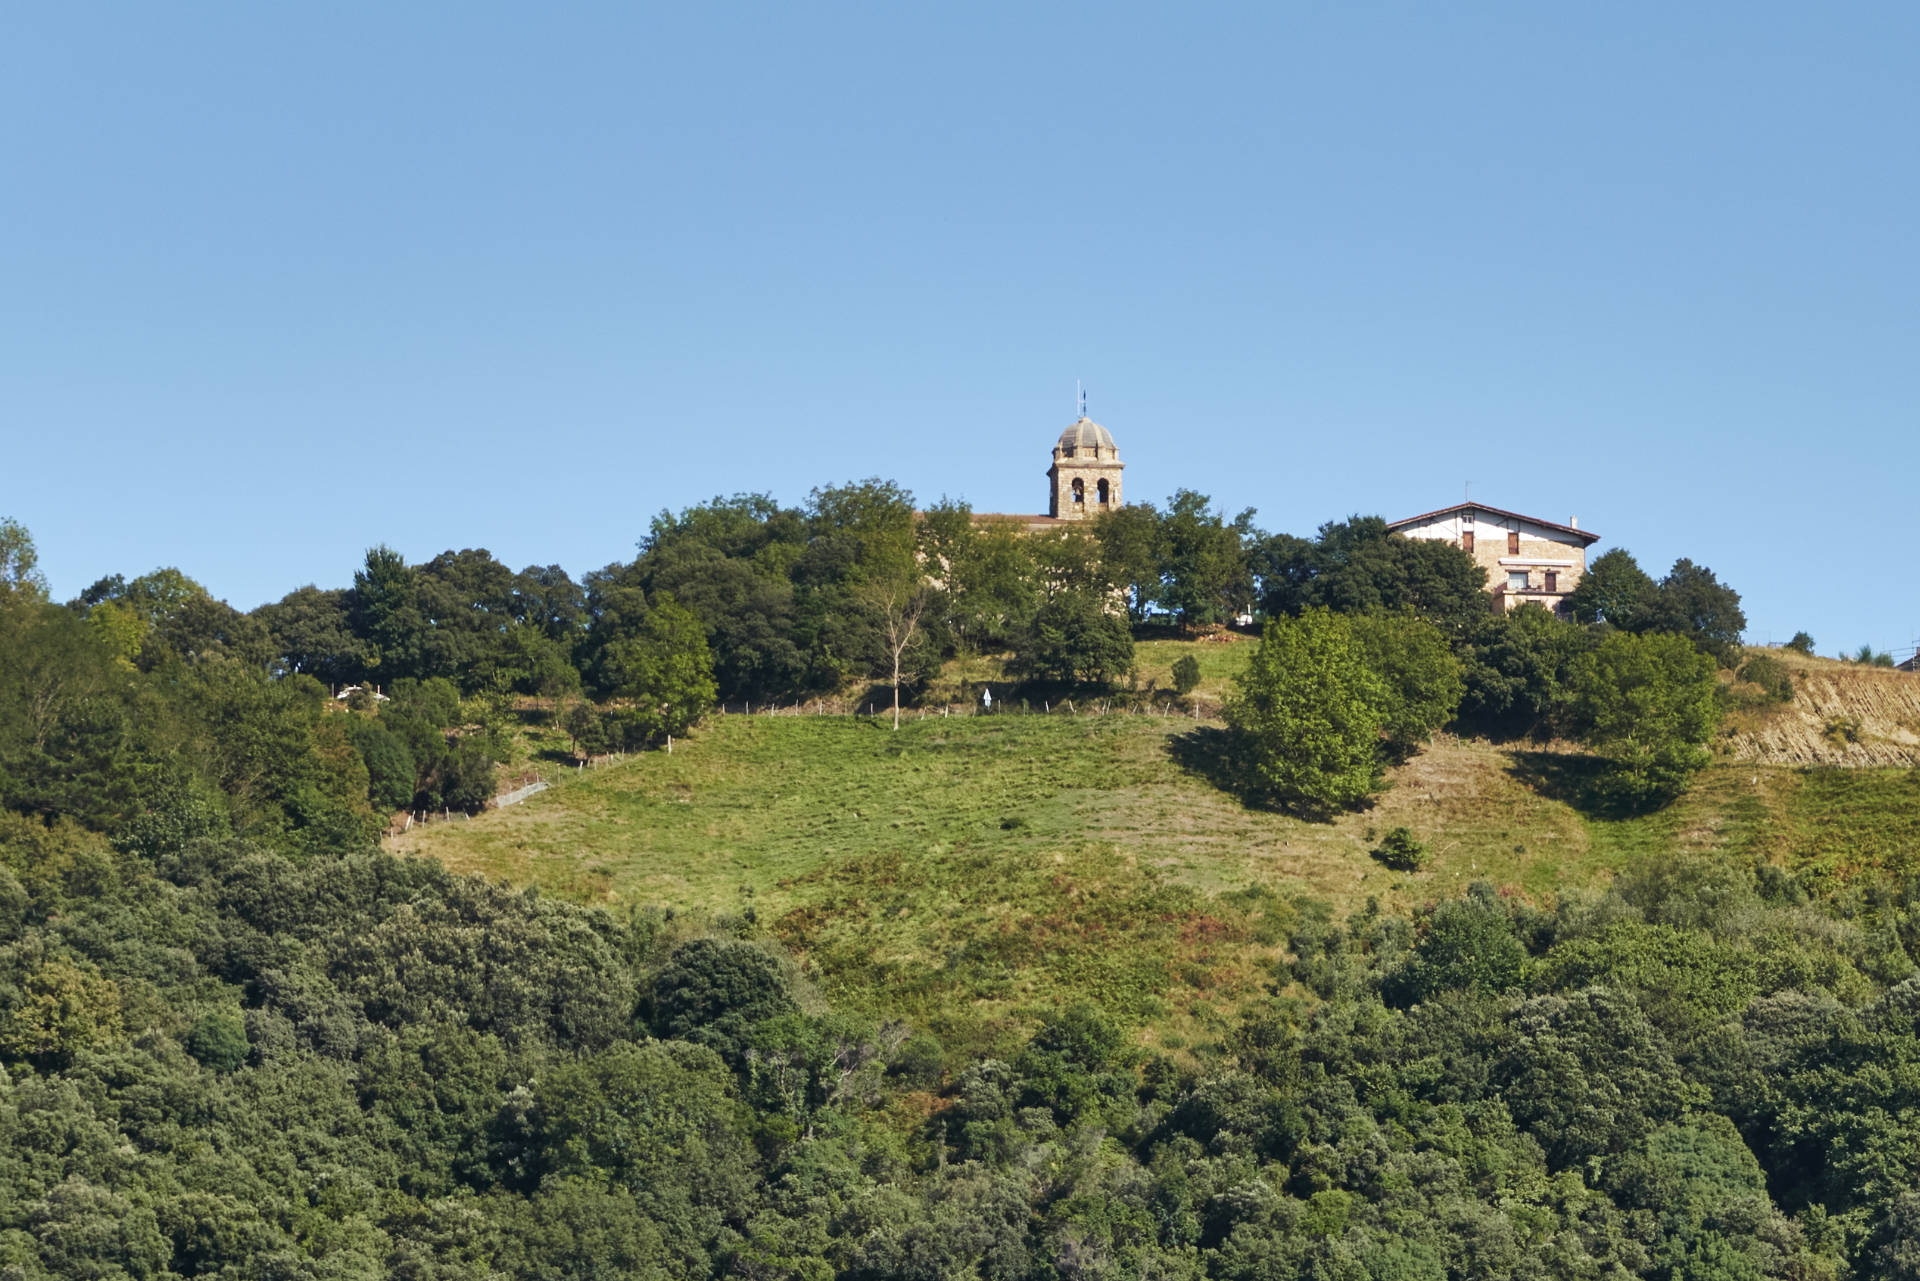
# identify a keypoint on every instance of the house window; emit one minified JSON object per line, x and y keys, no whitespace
{"x":1517,"y":580}
{"x":1553,"y":580}
{"x":1466,"y":541}
{"x":1513,"y":542}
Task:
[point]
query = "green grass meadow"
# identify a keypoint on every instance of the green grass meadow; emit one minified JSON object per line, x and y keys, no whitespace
{"x":970,"y":873}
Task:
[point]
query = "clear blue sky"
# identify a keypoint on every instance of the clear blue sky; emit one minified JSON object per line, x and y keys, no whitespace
{"x":279,"y":282}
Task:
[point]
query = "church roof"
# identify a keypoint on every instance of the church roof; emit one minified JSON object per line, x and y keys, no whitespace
{"x":1087,"y":434}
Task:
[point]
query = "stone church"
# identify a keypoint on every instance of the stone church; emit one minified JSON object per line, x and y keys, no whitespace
{"x":1083,"y":481}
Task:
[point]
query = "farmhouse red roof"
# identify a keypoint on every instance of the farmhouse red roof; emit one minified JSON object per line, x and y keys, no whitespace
{"x":1586,"y":536}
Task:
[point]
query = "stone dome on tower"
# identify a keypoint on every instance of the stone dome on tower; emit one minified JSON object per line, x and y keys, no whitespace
{"x":1086,"y":439}
{"x":1085,"y":477}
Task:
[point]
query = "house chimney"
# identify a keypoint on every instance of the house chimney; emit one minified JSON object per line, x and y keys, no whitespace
{"x":1573,"y":522}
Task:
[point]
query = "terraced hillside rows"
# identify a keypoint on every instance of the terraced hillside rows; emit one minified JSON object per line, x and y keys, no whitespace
{"x":1841,"y":714}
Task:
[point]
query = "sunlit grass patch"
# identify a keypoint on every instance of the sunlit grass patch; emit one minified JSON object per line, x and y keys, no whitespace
{"x":969,"y":873}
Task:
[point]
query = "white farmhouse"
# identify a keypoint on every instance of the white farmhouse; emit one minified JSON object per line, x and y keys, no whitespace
{"x":1528,"y":560}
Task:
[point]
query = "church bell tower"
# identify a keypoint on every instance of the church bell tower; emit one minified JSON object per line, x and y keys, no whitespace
{"x":1085,"y":477}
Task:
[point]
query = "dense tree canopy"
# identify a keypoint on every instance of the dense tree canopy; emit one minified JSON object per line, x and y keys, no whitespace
{"x":1690,"y":601}
{"x":664,"y":673}
{"x":1073,"y":639}
{"x":1358,"y":566}
{"x":1648,"y":706}
{"x":1329,"y":700}
{"x":405,"y":1072}
{"x":1204,"y":574}
{"x":1614,"y":590}
{"x":1418,"y":673}
{"x":1695,"y":604}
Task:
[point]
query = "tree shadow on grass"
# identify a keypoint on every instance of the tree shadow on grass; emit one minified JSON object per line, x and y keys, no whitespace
{"x":1578,"y":781}
{"x":1207,"y":753}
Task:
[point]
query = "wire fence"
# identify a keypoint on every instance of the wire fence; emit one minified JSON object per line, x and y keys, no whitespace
{"x":1186,"y":709}
{"x":1194,"y":709}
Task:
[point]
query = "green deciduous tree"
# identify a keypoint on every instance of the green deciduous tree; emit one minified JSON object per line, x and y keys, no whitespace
{"x":713,"y":991}
{"x":384,"y":612}
{"x":1074,"y":640}
{"x":20,"y":577}
{"x":62,"y":1009}
{"x":1467,"y":943}
{"x":1614,"y":589}
{"x":1358,"y":565}
{"x":165,"y":617}
{"x":122,"y":630}
{"x":661,"y":1122}
{"x":1693,"y":603}
{"x":1647,"y":706}
{"x":1204,"y":575}
{"x":1589,"y":1076}
{"x":1418,"y":673}
{"x":986,"y":588}
{"x":1068,"y":560}
{"x":860,"y":535}
{"x":313,"y":634}
{"x":1306,"y":716}
{"x":731,"y":561}
{"x":547,"y":598}
{"x":1133,"y":549}
{"x":69,"y":740}
{"x":1515,"y":669}
{"x":664,"y":671}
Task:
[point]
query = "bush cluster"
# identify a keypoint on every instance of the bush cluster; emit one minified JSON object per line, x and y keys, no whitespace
{"x":1401,"y":850}
{"x":1774,"y":677}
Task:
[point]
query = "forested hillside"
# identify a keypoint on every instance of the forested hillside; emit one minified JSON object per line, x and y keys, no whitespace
{"x":239,"y":1040}
{"x":222,"y":1061}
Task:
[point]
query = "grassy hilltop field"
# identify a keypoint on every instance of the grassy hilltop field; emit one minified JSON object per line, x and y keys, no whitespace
{"x":968,"y":872}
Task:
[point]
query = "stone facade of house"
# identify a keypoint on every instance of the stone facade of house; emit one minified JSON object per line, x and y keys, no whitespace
{"x":1527,"y":559}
